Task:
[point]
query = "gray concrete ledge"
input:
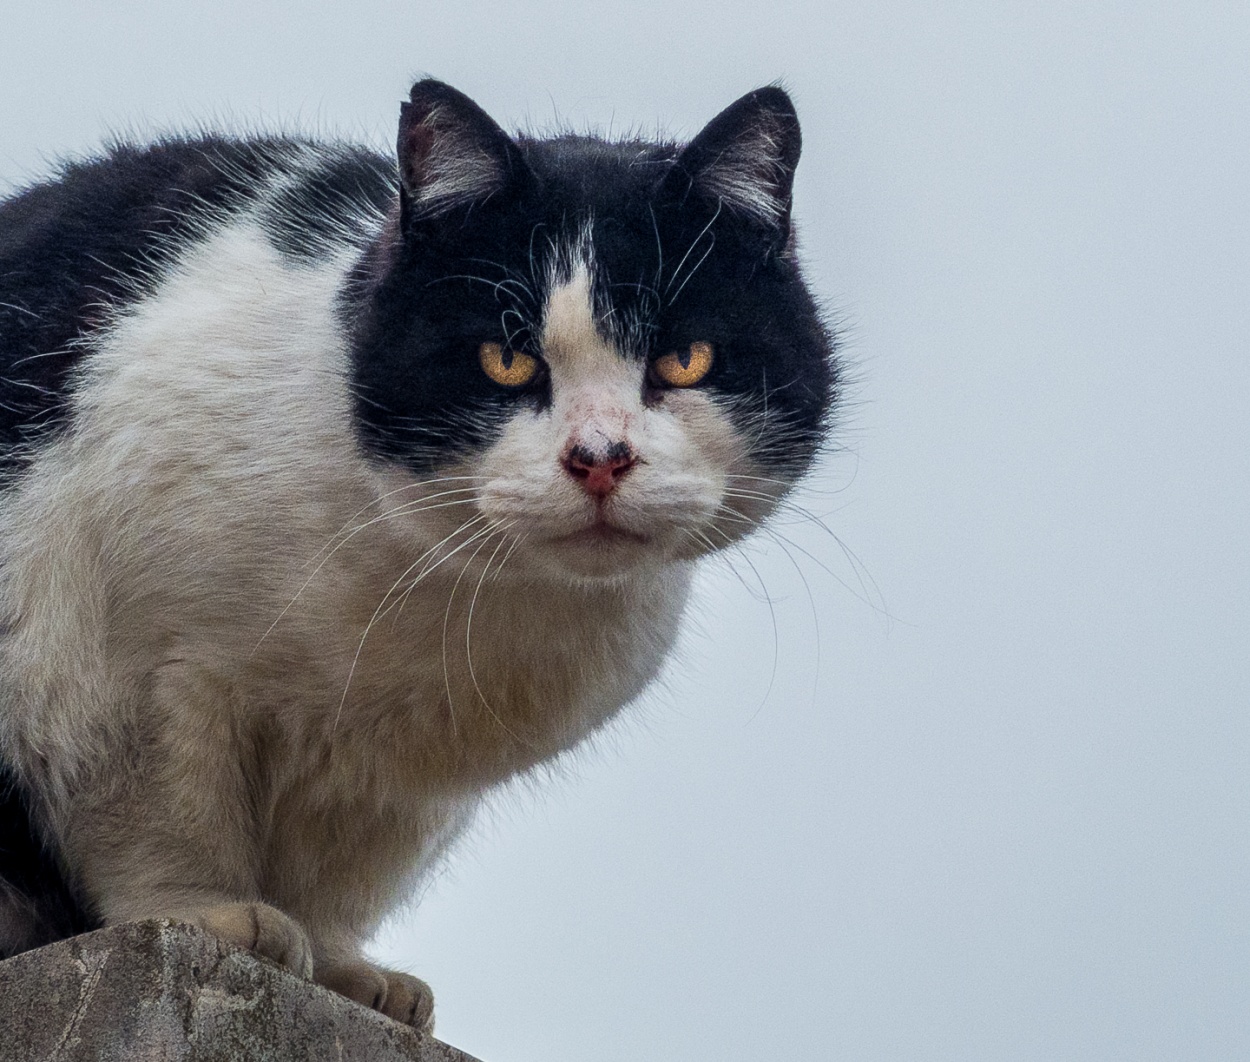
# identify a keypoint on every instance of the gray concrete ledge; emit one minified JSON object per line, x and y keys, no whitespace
{"x":163,"y":992}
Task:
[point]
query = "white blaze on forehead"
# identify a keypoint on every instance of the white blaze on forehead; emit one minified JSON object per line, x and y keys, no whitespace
{"x":596,"y":391}
{"x":572,"y":345}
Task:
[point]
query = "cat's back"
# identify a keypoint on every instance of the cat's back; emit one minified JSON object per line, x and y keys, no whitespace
{"x":101,"y":236}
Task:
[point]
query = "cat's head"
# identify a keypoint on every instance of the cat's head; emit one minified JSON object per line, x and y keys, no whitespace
{"x":600,"y":353}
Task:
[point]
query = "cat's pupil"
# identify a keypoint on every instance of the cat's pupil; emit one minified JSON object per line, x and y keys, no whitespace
{"x":685,"y":356}
{"x":506,"y":356}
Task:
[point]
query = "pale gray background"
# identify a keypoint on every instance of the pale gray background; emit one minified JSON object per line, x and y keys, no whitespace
{"x":1009,"y":820}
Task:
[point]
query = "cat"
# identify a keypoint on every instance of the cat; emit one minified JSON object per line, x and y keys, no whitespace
{"x":341,"y":488}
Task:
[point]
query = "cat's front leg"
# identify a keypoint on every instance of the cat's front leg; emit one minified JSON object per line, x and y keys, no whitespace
{"x":177,"y":835}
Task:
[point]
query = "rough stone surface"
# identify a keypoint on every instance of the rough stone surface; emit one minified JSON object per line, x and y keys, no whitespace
{"x":163,"y":992}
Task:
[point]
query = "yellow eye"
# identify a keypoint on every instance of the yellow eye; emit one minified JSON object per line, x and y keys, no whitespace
{"x":510,"y":368}
{"x":687,"y":368}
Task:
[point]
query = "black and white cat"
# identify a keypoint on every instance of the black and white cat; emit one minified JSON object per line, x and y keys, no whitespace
{"x":338,"y":494}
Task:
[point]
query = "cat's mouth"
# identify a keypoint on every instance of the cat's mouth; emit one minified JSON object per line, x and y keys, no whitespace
{"x":601,"y":533}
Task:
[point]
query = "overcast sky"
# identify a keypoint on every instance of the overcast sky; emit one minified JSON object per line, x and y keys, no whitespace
{"x":967,"y":779}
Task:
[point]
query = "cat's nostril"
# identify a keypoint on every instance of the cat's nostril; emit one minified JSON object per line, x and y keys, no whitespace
{"x":599,"y":473}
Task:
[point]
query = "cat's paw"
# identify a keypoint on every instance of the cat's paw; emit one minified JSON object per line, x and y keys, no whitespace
{"x":398,"y":995}
{"x":410,"y":1000}
{"x":259,"y":928}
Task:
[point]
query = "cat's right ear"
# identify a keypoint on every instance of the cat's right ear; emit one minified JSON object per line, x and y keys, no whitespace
{"x":744,"y":161}
{"x":451,"y":154}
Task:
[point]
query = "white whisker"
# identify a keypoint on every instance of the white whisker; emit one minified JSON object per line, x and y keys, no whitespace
{"x":468,"y":638}
{"x":490,"y":531}
{"x":379,"y":611}
{"x":406,"y":509}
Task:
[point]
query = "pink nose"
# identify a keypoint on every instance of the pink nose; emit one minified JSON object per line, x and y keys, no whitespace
{"x":598,"y":474}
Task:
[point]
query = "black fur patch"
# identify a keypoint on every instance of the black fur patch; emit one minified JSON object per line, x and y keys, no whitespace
{"x":32,"y":885}
{"x":323,"y":206}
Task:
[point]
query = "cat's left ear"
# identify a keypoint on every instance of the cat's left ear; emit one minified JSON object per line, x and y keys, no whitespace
{"x":744,"y":159}
{"x":451,"y":153}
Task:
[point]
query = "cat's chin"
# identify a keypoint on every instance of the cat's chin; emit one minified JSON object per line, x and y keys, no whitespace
{"x":610,"y":554}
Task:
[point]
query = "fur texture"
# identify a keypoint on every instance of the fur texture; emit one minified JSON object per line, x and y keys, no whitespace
{"x":288,"y":579}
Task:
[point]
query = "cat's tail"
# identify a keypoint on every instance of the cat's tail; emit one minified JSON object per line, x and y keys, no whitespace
{"x":37,"y":904}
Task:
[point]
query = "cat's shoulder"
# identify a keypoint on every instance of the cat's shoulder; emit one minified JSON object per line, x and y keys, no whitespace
{"x":100,"y":234}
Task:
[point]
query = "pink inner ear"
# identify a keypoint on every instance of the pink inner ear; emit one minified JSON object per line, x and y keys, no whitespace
{"x":451,"y":152}
{"x":444,"y":162}
{"x":420,"y":138}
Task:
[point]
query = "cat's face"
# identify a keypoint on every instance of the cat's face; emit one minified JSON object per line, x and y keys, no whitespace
{"x":590,"y":358}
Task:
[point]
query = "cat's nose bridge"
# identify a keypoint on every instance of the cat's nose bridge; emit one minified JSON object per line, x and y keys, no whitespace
{"x":595,"y":417}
